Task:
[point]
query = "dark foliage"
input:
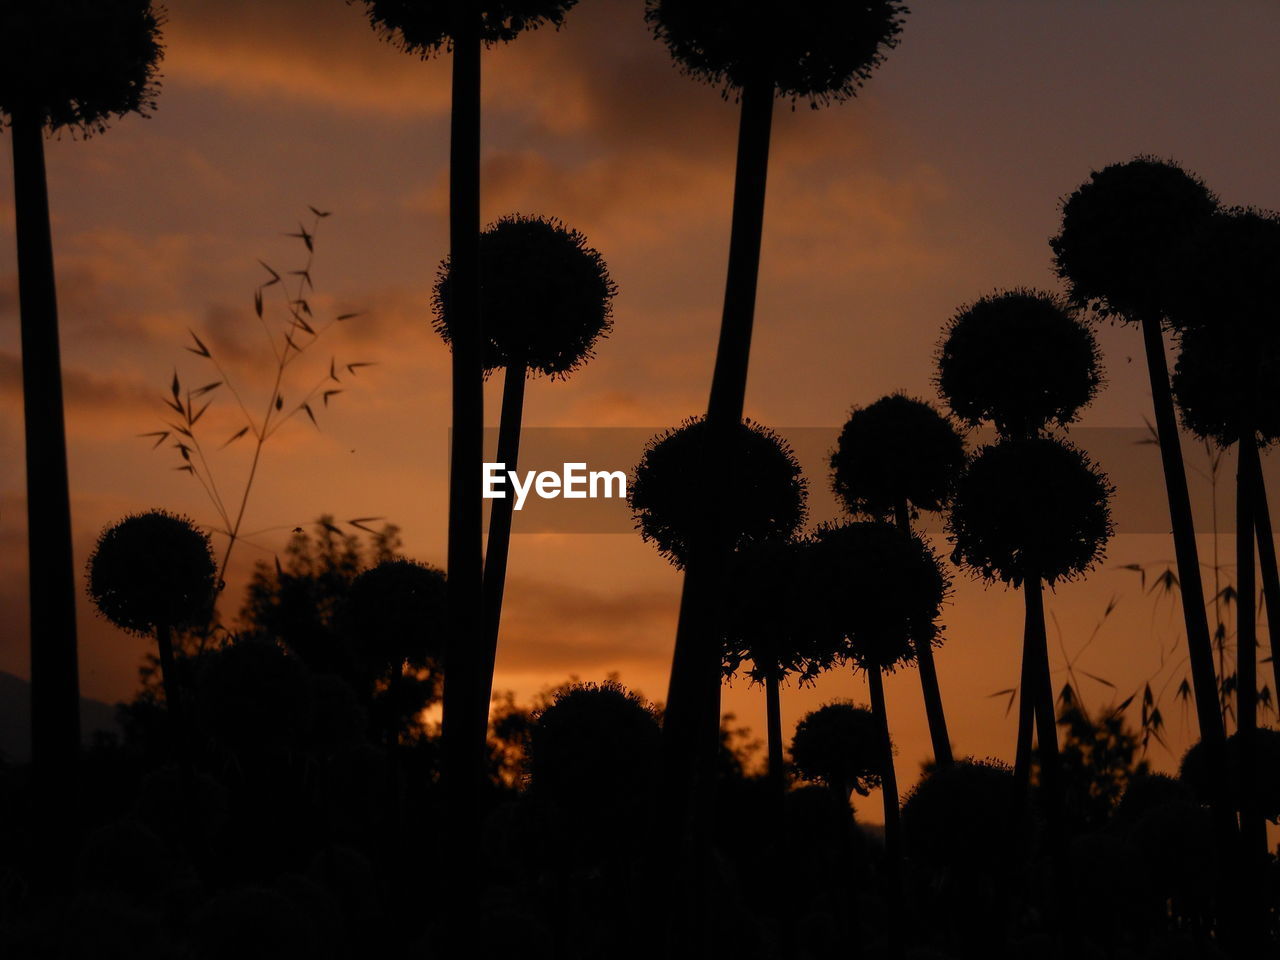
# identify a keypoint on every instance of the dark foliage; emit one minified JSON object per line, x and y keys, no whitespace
{"x":425,"y":27}
{"x":394,"y":614}
{"x":687,"y":482}
{"x":1097,"y":761}
{"x":839,"y":745}
{"x":152,"y":569}
{"x":875,"y":593}
{"x":1020,"y":359}
{"x":254,"y":697}
{"x":957,"y":817}
{"x":1037,"y":503}
{"x":1122,"y":231}
{"x":79,"y":63}
{"x":545,"y":296}
{"x":1265,"y":775}
{"x":819,"y":50}
{"x":1221,"y":385}
{"x":897,"y":450}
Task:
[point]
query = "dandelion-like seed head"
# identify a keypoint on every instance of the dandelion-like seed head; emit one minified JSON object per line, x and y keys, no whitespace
{"x":1122,"y":231}
{"x":78,"y":64}
{"x":1020,"y":359}
{"x":152,"y":569}
{"x":897,"y":450}
{"x":1032,"y":504}
{"x":689,"y":482}
{"x":545,"y":296}
{"x":425,"y":27}
{"x":816,"y":50}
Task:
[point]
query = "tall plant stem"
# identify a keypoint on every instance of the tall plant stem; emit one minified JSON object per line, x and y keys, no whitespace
{"x":1041,"y":694}
{"x":463,"y":746}
{"x":1252,"y":823}
{"x":1026,"y":712}
{"x":773,"y":724}
{"x":929,"y":687}
{"x":892,"y":820}
{"x":55,"y":684}
{"x":172,"y":689}
{"x":691,"y":723}
{"x":1267,"y":563}
{"x":499,"y":545}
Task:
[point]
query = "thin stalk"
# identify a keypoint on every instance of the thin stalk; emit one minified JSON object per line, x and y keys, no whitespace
{"x":500,"y":515}
{"x":1026,"y":712}
{"x":55,"y":683}
{"x":892,"y":821}
{"x":773,"y":714}
{"x":1267,"y":563}
{"x":1252,"y":824}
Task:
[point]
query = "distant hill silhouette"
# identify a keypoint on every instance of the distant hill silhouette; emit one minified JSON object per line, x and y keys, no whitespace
{"x":15,"y":718}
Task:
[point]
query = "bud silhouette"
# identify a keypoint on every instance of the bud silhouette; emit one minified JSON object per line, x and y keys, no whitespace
{"x":685,"y":483}
{"x":894,"y":458}
{"x":546,"y":300}
{"x":1123,"y":232}
{"x":67,"y":65}
{"x":811,"y":49}
{"x":839,"y":745}
{"x":1019,"y":359}
{"x":154,"y":572}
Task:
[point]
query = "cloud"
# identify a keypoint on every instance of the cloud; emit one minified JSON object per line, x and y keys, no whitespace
{"x":85,"y":393}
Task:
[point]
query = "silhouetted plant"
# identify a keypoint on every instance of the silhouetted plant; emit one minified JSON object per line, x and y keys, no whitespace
{"x":957,"y":818}
{"x":1263,"y":774}
{"x":426,"y":28}
{"x":254,"y":698}
{"x":812,"y":49}
{"x":1020,"y":359}
{"x":1122,"y":234}
{"x":153,"y":572}
{"x":546,"y":300}
{"x":894,"y":458}
{"x":1031,"y":511}
{"x":67,"y":65}
{"x":685,"y":482}
{"x":298,"y":332}
{"x":839,"y":745}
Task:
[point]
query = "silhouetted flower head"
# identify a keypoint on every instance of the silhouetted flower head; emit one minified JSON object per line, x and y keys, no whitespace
{"x":687,"y":481}
{"x":593,"y":741}
{"x":1037,"y":503}
{"x":768,"y":620}
{"x":1221,"y":388}
{"x":1196,"y":774}
{"x":425,"y":27}
{"x":252,"y":696}
{"x":152,"y":569}
{"x":839,"y":744}
{"x":819,"y":50}
{"x":395,"y":613}
{"x":1020,"y":359}
{"x":898,"y":449}
{"x":958,"y":817}
{"x":79,"y":63}
{"x":545,"y":296}
{"x":875,"y":593}
{"x":1121,"y":232}
{"x":1174,"y":832}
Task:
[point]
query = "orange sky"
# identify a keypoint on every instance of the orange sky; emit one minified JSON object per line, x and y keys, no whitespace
{"x":938,"y":184}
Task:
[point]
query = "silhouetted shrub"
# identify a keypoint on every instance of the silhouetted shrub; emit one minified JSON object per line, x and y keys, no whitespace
{"x":152,"y":569}
{"x":958,"y":817}
{"x":820,"y":50}
{"x":897,"y":450}
{"x":1122,"y":232}
{"x":254,"y":697}
{"x":395,"y":614}
{"x":687,"y":482}
{"x":1020,"y":359}
{"x":1035,"y":503}
{"x":1194,"y":771}
{"x":545,"y":296}
{"x":839,"y":745}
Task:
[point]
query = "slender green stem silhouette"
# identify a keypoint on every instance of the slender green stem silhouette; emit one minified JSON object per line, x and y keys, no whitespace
{"x":892,"y":820}
{"x":1252,"y":824}
{"x":1267,"y":563}
{"x":773,"y":723}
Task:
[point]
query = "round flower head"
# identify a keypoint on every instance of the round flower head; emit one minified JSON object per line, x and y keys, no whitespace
{"x":395,"y":613}
{"x":957,"y":817}
{"x":876,"y":592}
{"x":1020,"y":359}
{"x":897,"y":450}
{"x":152,"y":569}
{"x":839,"y":745}
{"x":1265,"y":781}
{"x":425,"y":27}
{"x":1220,"y":387}
{"x":79,"y":63}
{"x":1030,"y":504}
{"x":593,"y":741}
{"x":254,"y":696}
{"x":819,"y":50}
{"x":769,"y":622}
{"x":545,"y":296}
{"x":685,"y":483}
{"x":1122,"y":230}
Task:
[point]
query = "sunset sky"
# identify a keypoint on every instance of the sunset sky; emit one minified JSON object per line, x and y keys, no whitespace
{"x":939,"y":183}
